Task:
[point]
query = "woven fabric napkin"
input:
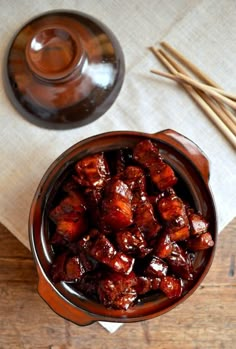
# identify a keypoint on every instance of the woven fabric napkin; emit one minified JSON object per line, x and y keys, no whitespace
{"x":203,"y":30}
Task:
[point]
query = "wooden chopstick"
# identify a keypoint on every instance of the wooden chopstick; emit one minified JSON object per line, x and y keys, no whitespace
{"x":195,"y":70}
{"x":173,"y":67}
{"x":189,"y":64}
{"x":206,"y":88}
{"x":220,"y":112}
{"x":231,"y":124}
{"x":214,"y":112}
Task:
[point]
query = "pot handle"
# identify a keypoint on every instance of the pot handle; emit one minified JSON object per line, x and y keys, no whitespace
{"x":188,"y":148}
{"x":61,"y":306}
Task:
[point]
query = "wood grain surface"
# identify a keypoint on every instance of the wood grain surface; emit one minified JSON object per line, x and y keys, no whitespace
{"x":206,"y":320}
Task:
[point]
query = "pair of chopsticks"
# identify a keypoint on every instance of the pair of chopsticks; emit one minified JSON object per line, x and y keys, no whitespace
{"x":206,"y":93}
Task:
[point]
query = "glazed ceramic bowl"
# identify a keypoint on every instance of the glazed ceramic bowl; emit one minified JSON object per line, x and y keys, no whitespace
{"x":191,"y":166}
{"x":63,"y":69}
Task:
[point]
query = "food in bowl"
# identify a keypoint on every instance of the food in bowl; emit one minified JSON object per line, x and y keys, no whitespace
{"x":122,"y":226}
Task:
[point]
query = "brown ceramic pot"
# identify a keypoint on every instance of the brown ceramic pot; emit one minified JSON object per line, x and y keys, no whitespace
{"x":63,"y":69}
{"x":191,"y":166}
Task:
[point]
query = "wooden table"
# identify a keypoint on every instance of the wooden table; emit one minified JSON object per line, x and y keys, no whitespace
{"x":206,"y":320}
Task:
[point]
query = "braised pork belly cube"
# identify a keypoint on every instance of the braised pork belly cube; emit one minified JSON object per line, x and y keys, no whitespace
{"x":58,"y":214}
{"x":171,"y":207}
{"x":88,"y":284}
{"x":72,"y":230}
{"x":155,"y":283}
{"x":163,"y":176}
{"x":144,"y":285}
{"x":117,"y":188}
{"x":135,"y":178}
{"x":69,"y":208}
{"x":148,"y":155}
{"x":92,"y":171}
{"x":125,"y":300}
{"x":121,"y":263}
{"x":180,"y":262}
{"x":116,"y":210}
{"x":156,"y":268}
{"x":173,"y":211}
{"x":132,"y":242}
{"x":180,"y":234}
{"x":102,"y":250}
{"x":198,"y":224}
{"x":171,"y":286}
{"x":69,"y":268}
{"x":200,"y":242}
{"x":178,"y":229}
{"x":116,"y":214}
{"x":117,"y":291}
{"x":145,"y":220}
{"x":69,"y":217}
{"x":163,"y":245}
{"x":74,"y":269}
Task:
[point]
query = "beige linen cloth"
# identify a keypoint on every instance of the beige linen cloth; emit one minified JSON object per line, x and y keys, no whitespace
{"x":205,"y":31}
